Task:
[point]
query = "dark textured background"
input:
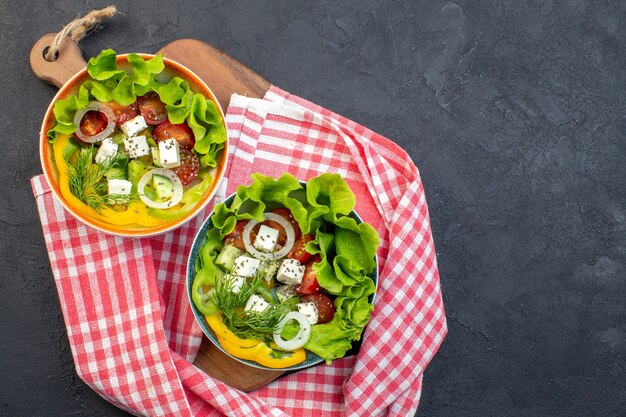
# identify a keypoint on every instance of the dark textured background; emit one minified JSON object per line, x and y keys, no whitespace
{"x":515,"y":113}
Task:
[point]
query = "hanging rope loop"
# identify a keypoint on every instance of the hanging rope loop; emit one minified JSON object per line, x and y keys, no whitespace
{"x":77,"y":29}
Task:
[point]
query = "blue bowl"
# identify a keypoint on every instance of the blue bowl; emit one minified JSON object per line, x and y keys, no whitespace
{"x":311,"y":358}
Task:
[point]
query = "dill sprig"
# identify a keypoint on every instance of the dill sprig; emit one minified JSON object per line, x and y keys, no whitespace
{"x":227,"y":300}
{"x":86,"y":180}
{"x":246,"y":324}
{"x":258,"y":325}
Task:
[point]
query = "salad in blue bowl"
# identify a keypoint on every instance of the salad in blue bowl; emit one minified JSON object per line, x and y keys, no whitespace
{"x":282,"y":275}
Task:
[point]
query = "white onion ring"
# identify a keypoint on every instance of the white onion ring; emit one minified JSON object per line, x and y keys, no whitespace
{"x":300,"y":339}
{"x":178,"y":188}
{"x":291,"y":238}
{"x":102,"y":108}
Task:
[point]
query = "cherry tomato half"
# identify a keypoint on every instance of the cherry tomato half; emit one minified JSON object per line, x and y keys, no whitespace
{"x":286,"y":213}
{"x":152,"y":108}
{"x":325,"y":307}
{"x":235,"y":238}
{"x":93,"y":122}
{"x":123,"y":113}
{"x":189,"y":166}
{"x":181,"y":132}
{"x":309,"y":284}
{"x":298,"y":252}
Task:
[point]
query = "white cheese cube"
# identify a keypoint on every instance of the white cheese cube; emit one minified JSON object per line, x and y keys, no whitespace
{"x":236,"y":283}
{"x":246,"y":266}
{"x":169,"y":153}
{"x":121,"y":187}
{"x":290,"y":272}
{"x":134,"y":126}
{"x":137,"y":146}
{"x":285,"y":292}
{"x":266,"y":239}
{"x":309,"y":310}
{"x":256,"y":304}
{"x":107,"y":149}
{"x":156,"y":157}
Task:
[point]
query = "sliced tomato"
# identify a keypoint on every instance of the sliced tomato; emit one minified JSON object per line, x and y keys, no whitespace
{"x":181,"y":132}
{"x":152,"y":108}
{"x":309,"y":284}
{"x":189,"y":166}
{"x":325,"y":307}
{"x":286,"y":213}
{"x":93,"y":122}
{"x":123,"y":113}
{"x":235,"y":238}
{"x":298,"y":252}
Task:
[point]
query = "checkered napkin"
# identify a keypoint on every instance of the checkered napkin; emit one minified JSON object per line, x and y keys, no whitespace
{"x":131,"y":330}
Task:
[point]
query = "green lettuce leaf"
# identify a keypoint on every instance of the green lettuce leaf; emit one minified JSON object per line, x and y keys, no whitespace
{"x":101,"y":91}
{"x":177,"y":112}
{"x":124,"y":93}
{"x":173,"y":91}
{"x":330,"y":197}
{"x":64,"y":112}
{"x":329,"y":341}
{"x":104,"y":66}
{"x":358,"y":246}
{"x":210,"y":158}
{"x":354,"y":312}
{"x":143,"y":71}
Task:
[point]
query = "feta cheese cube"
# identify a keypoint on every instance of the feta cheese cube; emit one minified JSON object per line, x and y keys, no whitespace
{"x":236,"y":283}
{"x":169,"y":153}
{"x":309,"y":310}
{"x":285,"y":292}
{"x":256,"y":304}
{"x":246,"y":266}
{"x":107,"y":149}
{"x":266,"y":239}
{"x":137,"y":146}
{"x":122,"y":187}
{"x":134,"y":126}
{"x":290,"y":272}
{"x":156,"y":157}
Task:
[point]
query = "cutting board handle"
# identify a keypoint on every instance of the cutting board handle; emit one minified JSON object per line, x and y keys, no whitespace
{"x":69,"y":60}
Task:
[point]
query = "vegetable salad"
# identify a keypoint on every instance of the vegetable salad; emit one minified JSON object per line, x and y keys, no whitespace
{"x":286,"y":268}
{"x":135,"y":146}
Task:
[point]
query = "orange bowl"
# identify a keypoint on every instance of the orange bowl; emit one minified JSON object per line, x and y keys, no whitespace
{"x":51,"y":171}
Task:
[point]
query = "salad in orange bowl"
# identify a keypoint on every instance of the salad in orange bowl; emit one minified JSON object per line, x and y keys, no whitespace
{"x":134,"y":145}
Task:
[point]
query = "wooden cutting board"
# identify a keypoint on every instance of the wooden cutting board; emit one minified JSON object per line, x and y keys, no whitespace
{"x":224,"y":76}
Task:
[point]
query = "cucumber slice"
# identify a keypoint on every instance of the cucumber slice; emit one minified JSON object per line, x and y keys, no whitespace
{"x":156,"y":156}
{"x":269,"y":269}
{"x":226,"y":258}
{"x":163,"y":187}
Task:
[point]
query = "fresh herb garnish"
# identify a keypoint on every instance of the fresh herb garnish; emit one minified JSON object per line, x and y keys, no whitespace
{"x":246,"y":324}
{"x":87,"y":182}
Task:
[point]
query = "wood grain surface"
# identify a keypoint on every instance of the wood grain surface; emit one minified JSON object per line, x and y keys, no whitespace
{"x":224,"y":76}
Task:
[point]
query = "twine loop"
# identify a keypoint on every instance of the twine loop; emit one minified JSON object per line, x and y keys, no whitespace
{"x":77,"y":29}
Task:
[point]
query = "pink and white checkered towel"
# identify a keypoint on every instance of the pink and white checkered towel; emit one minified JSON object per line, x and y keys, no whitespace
{"x":132,"y":332}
